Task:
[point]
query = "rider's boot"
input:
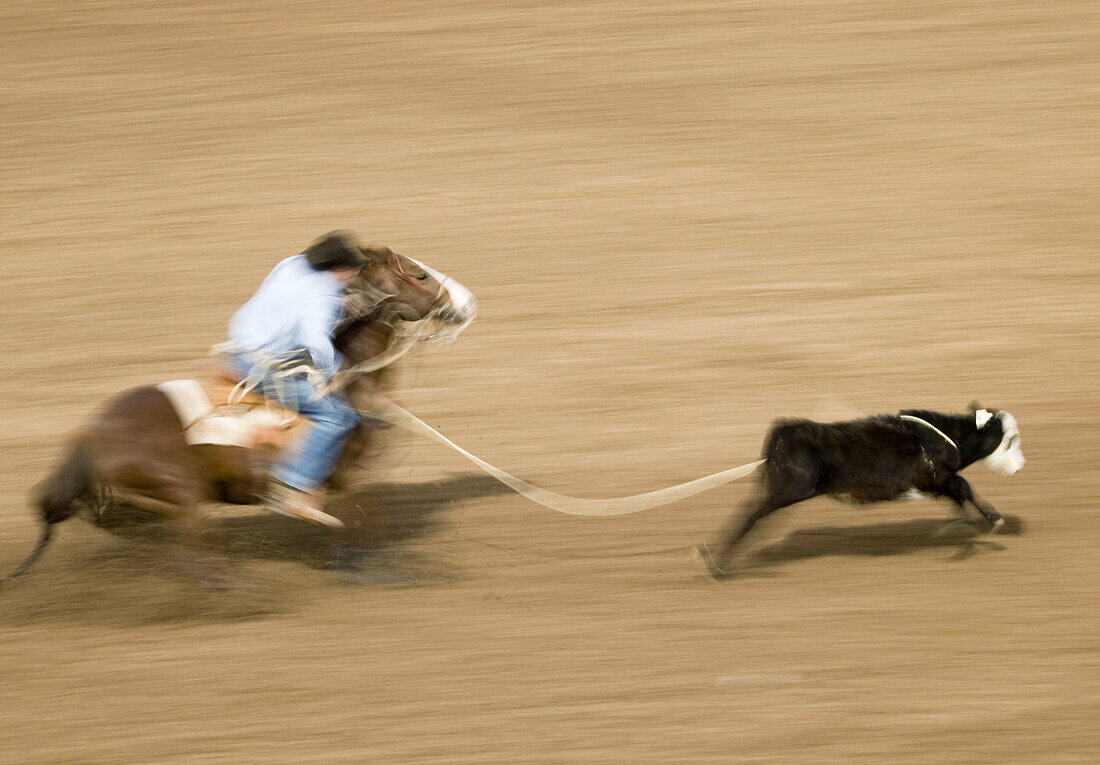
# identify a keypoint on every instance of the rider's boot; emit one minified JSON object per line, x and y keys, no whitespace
{"x":295,"y":503}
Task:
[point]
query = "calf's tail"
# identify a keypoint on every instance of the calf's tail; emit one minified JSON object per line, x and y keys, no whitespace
{"x":58,"y":498}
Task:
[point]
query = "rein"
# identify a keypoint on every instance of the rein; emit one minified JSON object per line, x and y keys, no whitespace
{"x":405,"y":334}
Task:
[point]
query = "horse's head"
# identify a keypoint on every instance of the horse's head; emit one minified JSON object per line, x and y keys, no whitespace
{"x":416,"y":294}
{"x":412,"y":302}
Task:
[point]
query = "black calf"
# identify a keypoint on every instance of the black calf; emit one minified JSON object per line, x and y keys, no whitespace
{"x":876,"y":459}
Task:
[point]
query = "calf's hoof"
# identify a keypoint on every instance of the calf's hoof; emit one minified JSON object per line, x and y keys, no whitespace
{"x":701,"y":552}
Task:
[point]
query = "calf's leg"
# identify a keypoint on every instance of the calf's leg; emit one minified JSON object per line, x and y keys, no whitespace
{"x":783,"y":495}
{"x":958,"y":489}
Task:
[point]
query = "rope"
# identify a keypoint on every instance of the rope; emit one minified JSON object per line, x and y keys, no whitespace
{"x":274,"y":368}
{"x":911,"y":418}
{"x":562,"y":503}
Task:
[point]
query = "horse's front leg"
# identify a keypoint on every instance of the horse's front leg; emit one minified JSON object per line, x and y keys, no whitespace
{"x":366,"y":396}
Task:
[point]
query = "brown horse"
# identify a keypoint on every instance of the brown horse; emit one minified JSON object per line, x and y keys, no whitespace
{"x":135,"y":452}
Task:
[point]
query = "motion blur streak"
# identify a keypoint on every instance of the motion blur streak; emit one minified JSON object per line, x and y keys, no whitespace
{"x":681,"y":221}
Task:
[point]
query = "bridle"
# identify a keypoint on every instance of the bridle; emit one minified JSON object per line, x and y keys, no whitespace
{"x":399,"y":271}
{"x":443,"y":310}
{"x":406,"y":334}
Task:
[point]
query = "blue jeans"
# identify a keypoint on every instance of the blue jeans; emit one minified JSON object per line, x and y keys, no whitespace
{"x":312,"y":458}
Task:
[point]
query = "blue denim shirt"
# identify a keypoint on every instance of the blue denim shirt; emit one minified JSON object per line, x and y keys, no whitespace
{"x":295,"y":308}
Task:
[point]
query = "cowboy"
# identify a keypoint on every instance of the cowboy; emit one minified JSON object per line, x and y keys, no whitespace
{"x":284,"y":329}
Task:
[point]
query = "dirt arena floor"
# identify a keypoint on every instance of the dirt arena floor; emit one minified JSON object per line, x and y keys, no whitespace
{"x":682,"y":220}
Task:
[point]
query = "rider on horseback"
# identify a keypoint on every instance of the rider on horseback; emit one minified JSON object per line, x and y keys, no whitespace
{"x":288,"y":323}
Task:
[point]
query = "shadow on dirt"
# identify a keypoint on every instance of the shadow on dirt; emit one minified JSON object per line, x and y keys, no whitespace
{"x":964,"y":539}
{"x":263,"y":559}
{"x":378,"y":518}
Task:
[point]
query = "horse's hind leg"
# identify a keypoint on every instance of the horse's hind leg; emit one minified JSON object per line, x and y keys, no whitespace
{"x":188,"y":552}
{"x":143,"y":456}
{"x":185,"y":552}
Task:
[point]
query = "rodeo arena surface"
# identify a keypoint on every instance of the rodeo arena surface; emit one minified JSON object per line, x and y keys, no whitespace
{"x":679,"y":223}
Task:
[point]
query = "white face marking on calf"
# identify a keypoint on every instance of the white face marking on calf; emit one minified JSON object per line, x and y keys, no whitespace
{"x":1008,"y":457}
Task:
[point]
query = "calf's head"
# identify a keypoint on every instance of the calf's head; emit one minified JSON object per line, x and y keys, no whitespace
{"x":1006,"y":456}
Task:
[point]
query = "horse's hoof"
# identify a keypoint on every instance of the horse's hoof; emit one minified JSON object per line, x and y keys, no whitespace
{"x":997,"y":526}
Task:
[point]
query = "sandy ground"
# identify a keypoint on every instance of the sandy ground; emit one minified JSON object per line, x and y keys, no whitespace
{"x":682,"y":221}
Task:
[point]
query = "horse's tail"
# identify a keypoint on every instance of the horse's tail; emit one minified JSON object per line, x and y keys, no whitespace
{"x":73,"y":482}
{"x":58,"y":498}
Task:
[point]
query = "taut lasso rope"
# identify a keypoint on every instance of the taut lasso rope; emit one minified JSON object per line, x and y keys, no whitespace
{"x":911,"y":418}
{"x":391,"y":412}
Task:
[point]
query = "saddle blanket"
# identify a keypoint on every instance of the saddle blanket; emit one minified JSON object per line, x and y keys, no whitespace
{"x":248,"y":425}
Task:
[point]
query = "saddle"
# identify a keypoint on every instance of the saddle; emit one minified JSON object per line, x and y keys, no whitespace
{"x":214,"y":409}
